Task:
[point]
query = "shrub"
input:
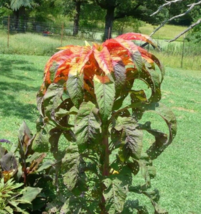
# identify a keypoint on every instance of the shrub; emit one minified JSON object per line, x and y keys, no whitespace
{"x":88,"y":98}
{"x":25,"y":184}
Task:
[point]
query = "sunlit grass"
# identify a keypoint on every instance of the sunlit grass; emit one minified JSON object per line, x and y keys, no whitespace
{"x":167,"y":32}
{"x":188,"y":62}
{"x":33,"y":44}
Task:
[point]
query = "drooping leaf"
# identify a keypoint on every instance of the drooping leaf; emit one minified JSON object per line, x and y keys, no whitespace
{"x":105,"y":95}
{"x":131,"y":138}
{"x":116,"y":189}
{"x":148,"y":55}
{"x":52,"y":99}
{"x":162,"y":141}
{"x":120,"y":74}
{"x":71,"y":162}
{"x":137,"y":59}
{"x":87,"y":126}
{"x":75,"y":85}
{"x":133,"y":205}
{"x":55,"y":134}
{"x":138,"y":36}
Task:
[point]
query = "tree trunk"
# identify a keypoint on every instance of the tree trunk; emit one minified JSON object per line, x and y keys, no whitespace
{"x":109,"y":18}
{"x":76,"y":18}
{"x":17,"y":15}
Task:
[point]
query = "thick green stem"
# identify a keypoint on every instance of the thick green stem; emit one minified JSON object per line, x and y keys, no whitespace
{"x":104,"y":167}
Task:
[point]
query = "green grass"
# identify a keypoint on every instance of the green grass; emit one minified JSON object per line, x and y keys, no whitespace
{"x":178,"y":168}
{"x":167,"y":32}
{"x":33,"y":44}
{"x":174,"y":60}
{"x":20,"y":79}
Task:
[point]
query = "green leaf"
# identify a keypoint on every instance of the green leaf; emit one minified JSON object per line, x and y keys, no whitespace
{"x":132,"y":205}
{"x":131,"y":138}
{"x":87,"y":126}
{"x":154,"y":197}
{"x":45,"y":165}
{"x":30,"y":193}
{"x":75,"y":205}
{"x":137,"y":59}
{"x":105,"y":95}
{"x":7,"y":210}
{"x":52,"y":99}
{"x":152,"y":79}
{"x":71,"y":162}
{"x":162,"y":141}
{"x":40,"y":142}
{"x":116,"y":189}
{"x":134,"y":166}
{"x":16,"y":4}
{"x":120,"y":75}
{"x":138,"y":99}
{"x":74,"y":87}
{"x":55,"y":135}
{"x":122,"y":102}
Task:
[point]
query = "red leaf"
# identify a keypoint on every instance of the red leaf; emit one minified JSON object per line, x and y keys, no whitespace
{"x":138,"y":36}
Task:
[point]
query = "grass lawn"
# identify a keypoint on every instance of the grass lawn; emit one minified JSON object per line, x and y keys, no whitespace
{"x":178,"y":168}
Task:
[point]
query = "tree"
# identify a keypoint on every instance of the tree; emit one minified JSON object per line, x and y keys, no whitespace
{"x":191,"y":6}
{"x":72,"y":8}
{"x":116,"y":9}
{"x":18,"y":7}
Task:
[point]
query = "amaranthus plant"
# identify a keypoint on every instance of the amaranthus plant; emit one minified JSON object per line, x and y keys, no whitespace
{"x":88,"y":97}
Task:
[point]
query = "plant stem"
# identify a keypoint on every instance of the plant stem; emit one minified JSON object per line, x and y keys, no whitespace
{"x":105,"y":167}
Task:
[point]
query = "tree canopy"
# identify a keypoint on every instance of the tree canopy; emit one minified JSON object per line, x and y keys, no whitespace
{"x":117,"y":9}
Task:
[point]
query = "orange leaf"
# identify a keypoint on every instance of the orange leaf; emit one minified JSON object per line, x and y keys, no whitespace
{"x":102,"y":79}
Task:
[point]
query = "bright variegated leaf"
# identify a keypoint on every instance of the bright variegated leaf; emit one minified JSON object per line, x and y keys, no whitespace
{"x":104,"y":60}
